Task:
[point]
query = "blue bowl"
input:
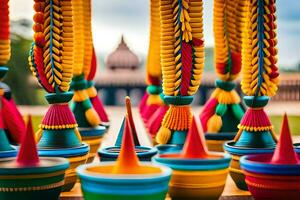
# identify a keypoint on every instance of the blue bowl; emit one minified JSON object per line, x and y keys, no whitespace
{"x":236,"y":150}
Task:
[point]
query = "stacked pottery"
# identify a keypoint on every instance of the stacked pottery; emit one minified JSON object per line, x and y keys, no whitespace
{"x":197,"y":173}
{"x":254,"y":137}
{"x":276,"y":176}
{"x":125,"y":179}
{"x":111,"y":153}
{"x":30,"y":177}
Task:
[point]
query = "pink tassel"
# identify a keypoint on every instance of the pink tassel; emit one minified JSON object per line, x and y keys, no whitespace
{"x":255,"y":118}
{"x":187,"y":61}
{"x":58,"y":115}
{"x":149,"y":112}
{"x":93,"y":67}
{"x":13,"y":120}
{"x":98,"y":106}
{"x":154,"y":122}
{"x":208,"y":111}
{"x":143,"y":103}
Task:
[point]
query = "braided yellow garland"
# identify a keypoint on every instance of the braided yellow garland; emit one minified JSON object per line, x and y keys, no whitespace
{"x":181,"y":29}
{"x":260,"y":73}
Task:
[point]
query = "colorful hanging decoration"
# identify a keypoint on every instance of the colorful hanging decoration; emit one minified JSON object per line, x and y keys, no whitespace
{"x":274,"y":176}
{"x":31,"y":177}
{"x":12,"y":119}
{"x":143,"y":152}
{"x":82,"y":107}
{"x":259,"y":83}
{"x":126,"y":178}
{"x":223,"y":112}
{"x":85,"y":93}
{"x":197,"y":173}
{"x":182,"y":60}
{"x":51,"y":60}
{"x":152,"y":100}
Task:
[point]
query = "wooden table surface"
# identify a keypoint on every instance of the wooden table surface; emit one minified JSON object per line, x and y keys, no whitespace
{"x":231,"y":192}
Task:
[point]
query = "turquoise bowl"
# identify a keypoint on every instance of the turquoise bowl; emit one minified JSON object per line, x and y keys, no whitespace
{"x":112,"y":153}
{"x":27,"y":183}
{"x":106,"y":186}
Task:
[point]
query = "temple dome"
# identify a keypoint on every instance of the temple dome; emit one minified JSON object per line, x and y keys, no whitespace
{"x":122,"y":58}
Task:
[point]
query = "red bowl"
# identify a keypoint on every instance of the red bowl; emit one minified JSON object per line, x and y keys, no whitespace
{"x":264,"y":187}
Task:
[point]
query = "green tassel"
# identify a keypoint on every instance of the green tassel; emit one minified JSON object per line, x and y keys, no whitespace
{"x":221,"y":109}
{"x":237,"y":111}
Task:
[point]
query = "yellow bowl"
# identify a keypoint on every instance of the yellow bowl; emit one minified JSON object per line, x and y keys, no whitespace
{"x":215,"y":145}
{"x":207,"y":185}
{"x":94,"y":142}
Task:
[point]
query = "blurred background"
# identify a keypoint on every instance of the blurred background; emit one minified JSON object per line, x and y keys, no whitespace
{"x":121,"y":36}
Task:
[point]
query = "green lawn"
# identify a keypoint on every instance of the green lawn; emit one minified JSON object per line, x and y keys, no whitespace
{"x":294,"y":122}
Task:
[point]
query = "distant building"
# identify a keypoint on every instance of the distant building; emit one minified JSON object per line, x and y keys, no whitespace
{"x":122,"y":58}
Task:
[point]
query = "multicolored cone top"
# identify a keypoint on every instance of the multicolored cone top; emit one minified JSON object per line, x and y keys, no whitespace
{"x":28,"y":155}
{"x":284,"y":152}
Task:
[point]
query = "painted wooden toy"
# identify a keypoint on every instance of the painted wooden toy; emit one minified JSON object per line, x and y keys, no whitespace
{"x":51,"y":61}
{"x":111,"y":153}
{"x":125,"y":179}
{"x":86,"y":116}
{"x":259,"y":83}
{"x":223,"y":111}
{"x":182,"y":56}
{"x":197,"y":173}
{"x":12,"y":126}
{"x":274,"y":176}
{"x":30,"y":177}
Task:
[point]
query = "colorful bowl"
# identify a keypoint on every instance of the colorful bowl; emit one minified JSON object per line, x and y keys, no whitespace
{"x":97,"y":183}
{"x":237,"y":152}
{"x":168,"y":148}
{"x":215,"y":141}
{"x":27,"y":183}
{"x":76,"y":156}
{"x":111,"y":153}
{"x":196,"y":178}
{"x":93,"y":137}
{"x":271,"y":181}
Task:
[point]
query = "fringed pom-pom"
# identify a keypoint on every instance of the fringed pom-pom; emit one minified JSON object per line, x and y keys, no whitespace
{"x":178,"y":118}
{"x":226,"y":97}
{"x":59,"y":115}
{"x":163,"y":135}
{"x":214,"y":124}
{"x":13,"y":121}
{"x":92,"y":117}
{"x":255,"y":120}
{"x":154,"y":99}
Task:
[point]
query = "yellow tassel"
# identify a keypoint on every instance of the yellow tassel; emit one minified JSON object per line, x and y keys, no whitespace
{"x":78,"y":134}
{"x":214,"y":124}
{"x":91,"y":91}
{"x":92,"y":117}
{"x":38,"y":135}
{"x":178,"y":118}
{"x":225,"y":97}
{"x":163,"y":135}
{"x":79,"y":96}
{"x":154,"y":100}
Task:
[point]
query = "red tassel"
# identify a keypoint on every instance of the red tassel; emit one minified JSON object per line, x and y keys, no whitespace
{"x":194,"y":147}
{"x":154,"y":122}
{"x":58,"y":115}
{"x":143,"y":103}
{"x":13,"y":120}
{"x":28,"y":155}
{"x":93,"y":67}
{"x":285,"y":153}
{"x":39,"y":62}
{"x":150,"y":109}
{"x":255,"y":118}
{"x":236,"y":62}
{"x":4,"y":22}
{"x":98,"y":106}
{"x":187,"y":62}
{"x":208,"y":111}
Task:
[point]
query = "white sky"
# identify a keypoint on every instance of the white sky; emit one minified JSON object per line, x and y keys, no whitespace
{"x":112,"y":18}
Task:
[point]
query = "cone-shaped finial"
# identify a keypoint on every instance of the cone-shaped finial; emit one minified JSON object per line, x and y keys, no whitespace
{"x":131,"y":122}
{"x":195,"y":146}
{"x":127,"y":162}
{"x":284,"y":152}
{"x":28,"y":155}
